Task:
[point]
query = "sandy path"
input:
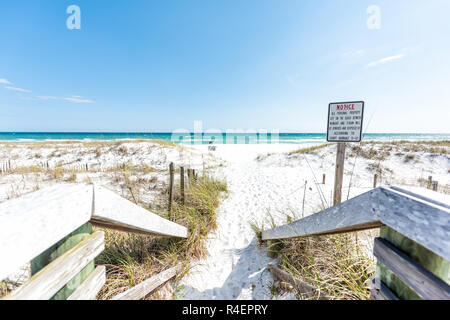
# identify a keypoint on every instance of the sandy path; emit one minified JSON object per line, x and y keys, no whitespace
{"x":237,"y":267}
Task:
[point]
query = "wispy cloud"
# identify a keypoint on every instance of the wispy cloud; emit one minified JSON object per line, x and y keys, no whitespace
{"x":4,"y":81}
{"x":17,"y":89}
{"x":73,"y":99}
{"x":386,"y":60}
{"x":78,"y":99}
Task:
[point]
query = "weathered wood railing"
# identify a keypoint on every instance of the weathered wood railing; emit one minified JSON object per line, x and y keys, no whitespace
{"x":413,"y":250}
{"x":52,"y":230}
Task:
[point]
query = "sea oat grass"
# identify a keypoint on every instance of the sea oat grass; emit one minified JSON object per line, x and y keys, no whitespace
{"x":333,"y":264}
{"x":131,"y":259}
{"x":309,"y":150}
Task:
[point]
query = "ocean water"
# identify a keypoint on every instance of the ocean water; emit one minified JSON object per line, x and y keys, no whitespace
{"x":206,"y":138}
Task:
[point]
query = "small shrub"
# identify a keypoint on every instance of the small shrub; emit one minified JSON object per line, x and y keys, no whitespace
{"x":409,"y":157}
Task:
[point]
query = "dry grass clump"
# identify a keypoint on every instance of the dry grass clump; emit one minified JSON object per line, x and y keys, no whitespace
{"x":131,"y":259}
{"x":439,"y":143}
{"x":339,"y":266}
{"x":409,"y":157}
{"x":380,"y":151}
{"x":27,"y":170}
{"x":371,"y":153}
{"x":435,"y":148}
{"x":72,"y":143}
{"x":309,"y":150}
{"x":381,"y":170}
{"x":262,"y":157}
{"x":333,"y":264}
{"x":3,"y":288}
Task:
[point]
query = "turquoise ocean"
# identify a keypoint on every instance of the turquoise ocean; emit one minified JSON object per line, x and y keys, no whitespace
{"x":206,"y":138}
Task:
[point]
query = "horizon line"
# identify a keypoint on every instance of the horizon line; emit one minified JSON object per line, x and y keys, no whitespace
{"x":191,"y":132}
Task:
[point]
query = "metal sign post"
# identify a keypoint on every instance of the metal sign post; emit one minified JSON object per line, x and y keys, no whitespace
{"x":345,"y":121}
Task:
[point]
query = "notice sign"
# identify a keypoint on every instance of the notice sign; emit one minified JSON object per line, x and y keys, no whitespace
{"x":345,"y":120}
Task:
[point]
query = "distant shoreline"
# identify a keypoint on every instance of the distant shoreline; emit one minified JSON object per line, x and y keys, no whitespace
{"x":206,"y":138}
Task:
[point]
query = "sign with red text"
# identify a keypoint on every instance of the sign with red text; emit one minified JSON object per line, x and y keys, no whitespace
{"x":345,"y":120}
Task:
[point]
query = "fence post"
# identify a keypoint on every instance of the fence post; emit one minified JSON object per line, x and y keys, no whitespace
{"x":435,"y":185}
{"x":323,"y":178}
{"x":430,"y":182}
{"x":182,"y":184}
{"x":375,"y":177}
{"x":171,"y":170}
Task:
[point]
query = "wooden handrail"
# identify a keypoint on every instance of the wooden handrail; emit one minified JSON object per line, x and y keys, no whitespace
{"x":420,"y":280}
{"x":36,"y":221}
{"x":113,"y":211}
{"x":47,"y":282}
{"x":418,"y":217}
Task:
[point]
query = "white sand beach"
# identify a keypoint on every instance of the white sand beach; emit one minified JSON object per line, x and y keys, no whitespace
{"x":273,"y":187}
{"x":265,"y":182}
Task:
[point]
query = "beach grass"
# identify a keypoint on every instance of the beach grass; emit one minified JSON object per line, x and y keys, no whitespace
{"x":338,"y":266}
{"x":309,"y":150}
{"x":334,"y":264}
{"x":131,"y":258}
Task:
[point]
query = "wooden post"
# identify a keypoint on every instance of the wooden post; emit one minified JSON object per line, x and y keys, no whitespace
{"x":194,"y":175}
{"x":171,"y":171}
{"x":375,"y":177}
{"x":430,"y":182}
{"x":435,"y":185}
{"x":339,"y":173}
{"x":182,"y":184}
{"x":324,"y":178}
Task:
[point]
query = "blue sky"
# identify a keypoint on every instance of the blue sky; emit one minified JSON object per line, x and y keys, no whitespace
{"x":160,"y":65}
